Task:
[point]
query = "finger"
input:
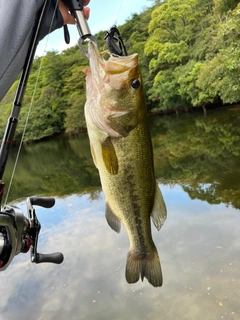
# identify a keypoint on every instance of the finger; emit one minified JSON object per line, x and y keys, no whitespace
{"x":67,"y":17}
{"x":86,"y":12}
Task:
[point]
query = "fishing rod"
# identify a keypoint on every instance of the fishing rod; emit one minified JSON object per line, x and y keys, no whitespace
{"x":18,"y":233}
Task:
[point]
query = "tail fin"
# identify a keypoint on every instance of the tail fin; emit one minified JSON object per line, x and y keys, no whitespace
{"x":148,"y":267}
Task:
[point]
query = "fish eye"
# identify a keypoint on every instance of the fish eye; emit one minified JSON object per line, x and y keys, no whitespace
{"x":135,"y":83}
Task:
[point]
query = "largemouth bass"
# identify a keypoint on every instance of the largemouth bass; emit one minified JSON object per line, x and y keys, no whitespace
{"x":121,"y":148}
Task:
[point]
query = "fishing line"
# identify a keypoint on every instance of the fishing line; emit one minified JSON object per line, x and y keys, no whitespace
{"x":119,"y":10}
{"x":31,"y":104}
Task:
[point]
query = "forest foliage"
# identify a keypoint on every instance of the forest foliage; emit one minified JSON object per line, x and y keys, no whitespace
{"x":189,"y":54}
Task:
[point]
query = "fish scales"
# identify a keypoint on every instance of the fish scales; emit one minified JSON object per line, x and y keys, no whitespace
{"x":121,"y":147}
{"x":133,"y":199}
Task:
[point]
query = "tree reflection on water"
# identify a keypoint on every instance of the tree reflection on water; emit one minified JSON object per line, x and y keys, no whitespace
{"x":199,"y":153}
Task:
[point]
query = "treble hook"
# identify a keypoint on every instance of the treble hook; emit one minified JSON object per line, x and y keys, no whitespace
{"x":115,"y":41}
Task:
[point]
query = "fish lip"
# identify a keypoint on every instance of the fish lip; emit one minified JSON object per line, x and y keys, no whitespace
{"x":110,"y":65}
{"x":93,"y":48}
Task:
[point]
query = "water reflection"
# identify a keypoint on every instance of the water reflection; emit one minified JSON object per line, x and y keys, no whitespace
{"x":197,"y":164}
{"x":199,"y":153}
{"x":198,"y":247}
{"x":58,"y":167}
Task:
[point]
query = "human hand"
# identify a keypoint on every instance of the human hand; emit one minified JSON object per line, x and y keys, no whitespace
{"x":67,"y":17}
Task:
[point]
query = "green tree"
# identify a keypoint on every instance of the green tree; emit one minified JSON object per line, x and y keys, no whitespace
{"x":173,"y":29}
{"x":223,"y":6}
{"x":218,"y":77}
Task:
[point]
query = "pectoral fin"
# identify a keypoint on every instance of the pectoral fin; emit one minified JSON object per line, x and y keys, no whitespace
{"x":112,"y":220}
{"x":93,"y":155}
{"x":159,"y":211}
{"x":109,"y":157}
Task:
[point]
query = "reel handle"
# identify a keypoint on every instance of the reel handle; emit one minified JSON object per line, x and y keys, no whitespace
{"x":56,"y":257}
{"x":35,"y":228}
{"x":42,"y":202}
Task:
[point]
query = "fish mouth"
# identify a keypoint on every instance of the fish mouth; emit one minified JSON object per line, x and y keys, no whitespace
{"x":102,"y":63}
{"x":108,"y":84}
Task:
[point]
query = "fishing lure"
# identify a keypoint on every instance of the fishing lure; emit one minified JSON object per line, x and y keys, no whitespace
{"x":115,"y":42}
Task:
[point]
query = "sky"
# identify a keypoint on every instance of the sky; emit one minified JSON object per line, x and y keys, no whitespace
{"x":198,"y":248}
{"x":103,"y":15}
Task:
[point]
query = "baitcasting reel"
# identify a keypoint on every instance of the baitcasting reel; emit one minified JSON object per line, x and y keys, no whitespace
{"x":19,"y":234}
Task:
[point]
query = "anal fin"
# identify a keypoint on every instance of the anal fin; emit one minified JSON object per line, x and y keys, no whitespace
{"x":159,"y":210}
{"x":112,"y":219}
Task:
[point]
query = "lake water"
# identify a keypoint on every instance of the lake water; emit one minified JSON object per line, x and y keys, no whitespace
{"x":197,"y":167}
